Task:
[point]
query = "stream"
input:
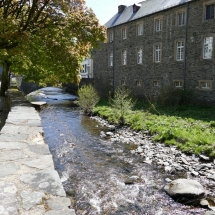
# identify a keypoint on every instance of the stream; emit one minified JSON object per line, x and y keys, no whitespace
{"x":94,"y":170}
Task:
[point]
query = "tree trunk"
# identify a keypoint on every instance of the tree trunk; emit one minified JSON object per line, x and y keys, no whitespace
{"x":5,"y":79}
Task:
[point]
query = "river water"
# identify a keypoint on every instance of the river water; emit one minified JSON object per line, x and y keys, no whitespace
{"x":94,"y":170}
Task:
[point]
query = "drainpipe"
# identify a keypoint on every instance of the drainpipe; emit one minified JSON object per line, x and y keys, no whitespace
{"x":113,"y":75}
{"x":185,"y":45}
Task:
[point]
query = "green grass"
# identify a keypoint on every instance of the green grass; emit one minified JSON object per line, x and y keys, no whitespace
{"x":191,"y":128}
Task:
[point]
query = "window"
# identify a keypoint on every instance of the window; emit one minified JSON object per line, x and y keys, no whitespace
{"x":124,"y":57}
{"x":138,"y":83}
{"x":111,"y":59}
{"x":157,"y":53}
{"x":139,"y":29}
{"x":208,"y":47}
{"x":84,"y":70}
{"x":158,"y":25}
{"x":110,"y":81}
{"x":180,"y":51}
{"x":124,"y":33}
{"x":110,"y":37}
{"x":122,"y":82}
{"x":139,"y":56}
{"x":178,"y":84}
{"x":156,"y":83}
{"x":209,"y":11}
{"x":181,"y":18}
{"x":205,"y":85}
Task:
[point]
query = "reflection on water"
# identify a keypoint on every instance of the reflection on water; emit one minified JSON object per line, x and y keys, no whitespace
{"x":94,"y":171}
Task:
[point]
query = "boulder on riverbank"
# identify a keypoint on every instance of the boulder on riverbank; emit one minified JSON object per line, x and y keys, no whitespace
{"x":185,"y":190}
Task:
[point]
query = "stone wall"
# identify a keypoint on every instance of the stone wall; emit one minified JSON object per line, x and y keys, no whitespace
{"x":168,"y":70}
{"x":5,"y":105}
{"x":73,"y":88}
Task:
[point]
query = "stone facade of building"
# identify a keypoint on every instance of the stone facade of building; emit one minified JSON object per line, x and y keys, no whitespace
{"x":171,"y":47}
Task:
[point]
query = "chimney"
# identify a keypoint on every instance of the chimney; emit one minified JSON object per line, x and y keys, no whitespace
{"x":121,"y":8}
{"x":135,"y":8}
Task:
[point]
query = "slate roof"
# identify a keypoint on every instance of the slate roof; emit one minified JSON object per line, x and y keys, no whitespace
{"x":147,"y":7}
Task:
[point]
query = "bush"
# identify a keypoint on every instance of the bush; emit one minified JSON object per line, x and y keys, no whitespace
{"x":88,"y":98}
{"x":121,"y":103}
{"x":171,"y":96}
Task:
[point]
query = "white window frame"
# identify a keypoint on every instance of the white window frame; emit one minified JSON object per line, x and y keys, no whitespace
{"x":111,"y":59}
{"x":156,"y":83}
{"x":110,"y":37}
{"x":124,"y":33}
{"x":157,"y":53}
{"x":208,"y":48}
{"x":179,"y":50}
{"x":178,"y":84}
{"x":124,"y":57}
{"x":139,"y":29}
{"x":205,"y":85}
{"x":181,"y":18}
{"x":138,"y":83}
{"x":139,"y":56}
{"x":158,"y":24}
{"x":123,"y":83}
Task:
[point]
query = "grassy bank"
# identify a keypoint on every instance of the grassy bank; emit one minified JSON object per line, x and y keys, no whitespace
{"x":191,"y":128}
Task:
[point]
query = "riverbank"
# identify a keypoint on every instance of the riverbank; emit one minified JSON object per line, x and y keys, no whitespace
{"x":168,"y":159}
{"x":190,"y":128}
{"x":29,"y":183}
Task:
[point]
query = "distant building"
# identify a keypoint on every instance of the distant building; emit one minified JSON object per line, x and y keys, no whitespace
{"x":87,"y":71}
{"x":157,"y":44}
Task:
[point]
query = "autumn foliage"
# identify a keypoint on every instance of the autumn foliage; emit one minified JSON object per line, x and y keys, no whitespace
{"x":46,"y":40}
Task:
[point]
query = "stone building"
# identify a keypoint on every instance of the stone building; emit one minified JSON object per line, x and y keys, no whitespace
{"x":158,"y":44}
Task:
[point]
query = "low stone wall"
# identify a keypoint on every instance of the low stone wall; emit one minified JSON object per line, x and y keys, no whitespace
{"x":29,"y":183}
{"x":5,"y":104}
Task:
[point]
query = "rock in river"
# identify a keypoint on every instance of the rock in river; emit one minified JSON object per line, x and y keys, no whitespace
{"x":184,"y":190}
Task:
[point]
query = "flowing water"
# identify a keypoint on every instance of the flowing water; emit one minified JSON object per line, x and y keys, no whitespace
{"x":94,"y":170}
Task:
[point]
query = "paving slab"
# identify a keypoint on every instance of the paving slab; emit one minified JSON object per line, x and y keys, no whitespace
{"x":20,"y":129}
{"x":61,"y":212}
{"x":40,"y":149}
{"x":13,"y":137}
{"x":36,"y":163}
{"x":8,"y":199}
{"x":12,"y":145}
{"x":31,"y":199}
{"x":47,"y":181}
{"x":59,"y":203}
{"x":30,"y":122}
{"x":8,"y":169}
{"x":11,"y":155}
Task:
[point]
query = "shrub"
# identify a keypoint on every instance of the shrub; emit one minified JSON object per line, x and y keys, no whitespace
{"x":88,"y":98}
{"x":172,"y":96}
{"x":121,"y":103}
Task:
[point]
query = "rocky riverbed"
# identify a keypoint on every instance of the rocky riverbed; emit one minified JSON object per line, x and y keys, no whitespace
{"x":174,"y":163}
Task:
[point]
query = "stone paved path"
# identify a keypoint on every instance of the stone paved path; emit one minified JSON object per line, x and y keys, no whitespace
{"x":29,"y":184}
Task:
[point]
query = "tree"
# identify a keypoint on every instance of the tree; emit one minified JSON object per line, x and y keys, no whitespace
{"x":88,"y":98}
{"x":121,"y":103}
{"x":46,"y":40}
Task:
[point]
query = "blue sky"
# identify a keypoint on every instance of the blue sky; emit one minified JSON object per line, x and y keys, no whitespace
{"x":105,"y":9}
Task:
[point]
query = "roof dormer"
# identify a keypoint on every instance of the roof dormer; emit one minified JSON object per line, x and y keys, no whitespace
{"x":135,"y":8}
{"x":121,"y":8}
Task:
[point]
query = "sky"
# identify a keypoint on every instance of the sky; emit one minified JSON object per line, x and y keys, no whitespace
{"x":106,"y":9}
